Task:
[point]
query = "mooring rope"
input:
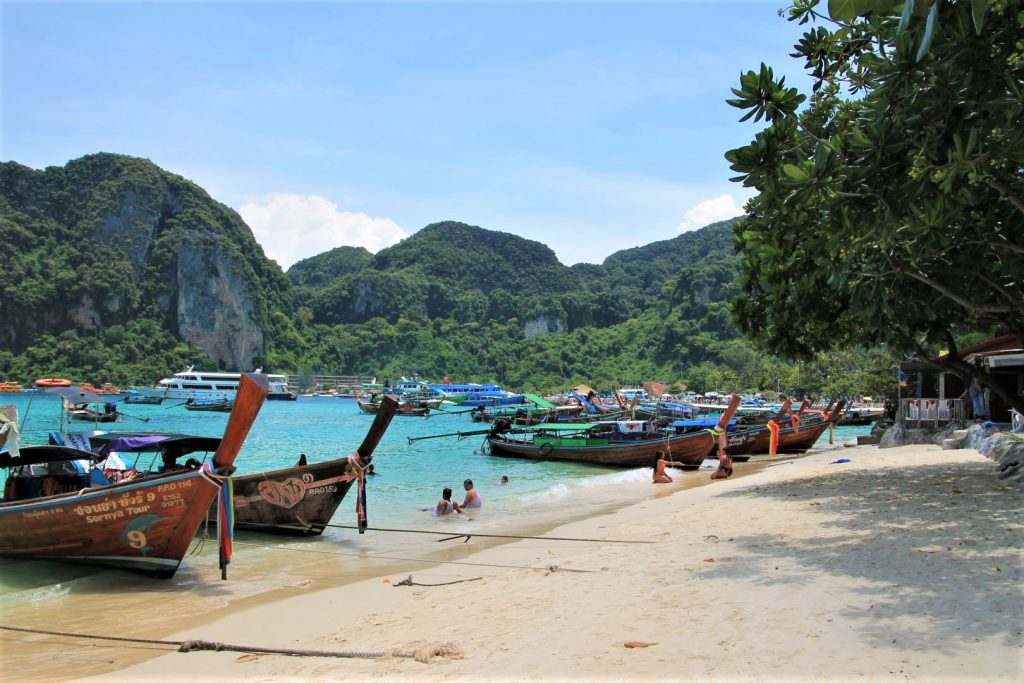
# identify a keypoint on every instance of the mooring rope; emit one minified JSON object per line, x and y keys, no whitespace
{"x":423,"y":655}
{"x":456,"y":534}
{"x":410,"y":582}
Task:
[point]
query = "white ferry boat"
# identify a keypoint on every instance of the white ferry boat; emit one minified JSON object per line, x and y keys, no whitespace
{"x":197,"y":384}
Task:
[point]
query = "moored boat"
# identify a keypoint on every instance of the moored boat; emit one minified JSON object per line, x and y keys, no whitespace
{"x":50,"y":510}
{"x":303,"y":499}
{"x":87,"y":413}
{"x":213,"y":405}
{"x":372,"y":405}
{"x":796,"y":432}
{"x":192,"y":383}
{"x":633,"y":443}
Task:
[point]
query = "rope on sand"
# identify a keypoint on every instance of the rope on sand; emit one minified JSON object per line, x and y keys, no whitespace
{"x":410,"y":582}
{"x":421,"y":655}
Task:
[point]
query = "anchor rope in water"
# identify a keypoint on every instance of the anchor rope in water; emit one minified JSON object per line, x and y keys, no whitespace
{"x":549,"y":567}
{"x":438,"y":650}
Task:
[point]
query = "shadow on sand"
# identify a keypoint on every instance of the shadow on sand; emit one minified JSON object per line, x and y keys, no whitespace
{"x":925,"y":541}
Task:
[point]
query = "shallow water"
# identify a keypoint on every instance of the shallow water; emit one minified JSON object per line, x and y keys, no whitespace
{"x":410,"y":477}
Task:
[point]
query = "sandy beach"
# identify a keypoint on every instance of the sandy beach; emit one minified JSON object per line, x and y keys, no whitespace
{"x":902,"y":563}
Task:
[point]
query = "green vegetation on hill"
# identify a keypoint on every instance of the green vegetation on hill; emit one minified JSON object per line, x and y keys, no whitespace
{"x":101,"y":294}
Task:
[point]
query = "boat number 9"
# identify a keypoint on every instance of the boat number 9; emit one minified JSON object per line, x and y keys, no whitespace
{"x":136,"y":539}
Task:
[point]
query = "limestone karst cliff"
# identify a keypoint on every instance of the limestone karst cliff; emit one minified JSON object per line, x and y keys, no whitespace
{"x":109,"y":239}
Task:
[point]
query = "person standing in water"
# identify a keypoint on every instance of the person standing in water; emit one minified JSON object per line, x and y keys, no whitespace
{"x":446,"y":505}
{"x":472,"y":496}
{"x":660,"y":477}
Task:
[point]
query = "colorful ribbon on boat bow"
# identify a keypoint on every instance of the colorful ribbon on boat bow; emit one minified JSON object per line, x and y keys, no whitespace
{"x":773,"y":438}
{"x":225,"y":517}
{"x":356,"y":462}
{"x":718,"y":436}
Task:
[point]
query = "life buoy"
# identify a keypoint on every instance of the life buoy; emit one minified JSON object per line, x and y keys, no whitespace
{"x":52,"y":382}
{"x":546,"y":448}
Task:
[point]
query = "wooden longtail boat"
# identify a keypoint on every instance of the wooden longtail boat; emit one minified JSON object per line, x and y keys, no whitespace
{"x":756,"y":439}
{"x":143,"y":524}
{"x":210,"y":405}
{"x":302,"y":499}
{"x":597,"y":443}
{"x":87,"y":414}
{"x":405,"y":408}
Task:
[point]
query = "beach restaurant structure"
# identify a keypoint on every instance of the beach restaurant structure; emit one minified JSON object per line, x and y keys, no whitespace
{"x":930,"y":396}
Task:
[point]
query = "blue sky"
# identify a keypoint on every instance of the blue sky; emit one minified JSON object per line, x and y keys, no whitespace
{"x":590,"y":127}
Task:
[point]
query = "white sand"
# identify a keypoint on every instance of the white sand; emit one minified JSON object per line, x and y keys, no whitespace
{"x":904,"y":563}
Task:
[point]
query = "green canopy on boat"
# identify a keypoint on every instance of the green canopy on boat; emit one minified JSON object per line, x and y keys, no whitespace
{"x":562,"y":427}
{"x":538,"y":401}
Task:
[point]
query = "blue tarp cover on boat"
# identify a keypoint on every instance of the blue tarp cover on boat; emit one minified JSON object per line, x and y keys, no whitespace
{"x":708,"y":423}
{"x":591,"y":408}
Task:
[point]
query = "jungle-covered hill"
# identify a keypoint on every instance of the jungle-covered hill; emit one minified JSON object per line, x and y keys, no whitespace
{"x":120,"y":271}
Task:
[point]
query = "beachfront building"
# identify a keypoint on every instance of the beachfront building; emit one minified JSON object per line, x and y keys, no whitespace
{"x":930,"y":396}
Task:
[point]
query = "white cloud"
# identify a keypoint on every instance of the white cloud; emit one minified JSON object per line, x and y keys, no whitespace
{"x":709,"y":211}
{"x":291,"y":227}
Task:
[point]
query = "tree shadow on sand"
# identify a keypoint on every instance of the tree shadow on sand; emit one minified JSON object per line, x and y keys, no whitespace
{"x":932,"y":544}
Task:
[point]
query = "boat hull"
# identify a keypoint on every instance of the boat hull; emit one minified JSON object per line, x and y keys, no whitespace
{"x":296,"y":500}
{"x":689,"y":449}
{"x":141,"y":525}
{"x":756,"y":440}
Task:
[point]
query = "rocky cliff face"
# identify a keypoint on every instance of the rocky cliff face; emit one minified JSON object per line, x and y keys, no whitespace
{"x":214,"y":308}
{"x":114,"y":239}
{"x":541,"y":325}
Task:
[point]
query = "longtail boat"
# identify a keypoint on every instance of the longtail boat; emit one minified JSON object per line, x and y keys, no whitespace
{"x":296,"y":500}
{"x":797,"y":432}
{"x":629,"y":444}
{"x":53,"y":511}
{"x":84,"y":413}
{"x":302,"y":500}
{"x":210,"y":405}
{"x":406,"y":408}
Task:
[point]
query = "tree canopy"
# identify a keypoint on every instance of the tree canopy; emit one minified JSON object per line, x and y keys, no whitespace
{"x":890,"y":205}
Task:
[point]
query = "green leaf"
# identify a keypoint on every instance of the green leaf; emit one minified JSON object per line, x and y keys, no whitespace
{"x":908,"y":9}
{"x":978,"y":9}
{"x":843,"y":10}
{"x":929,"y":31}
{"x":795,"y":172}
